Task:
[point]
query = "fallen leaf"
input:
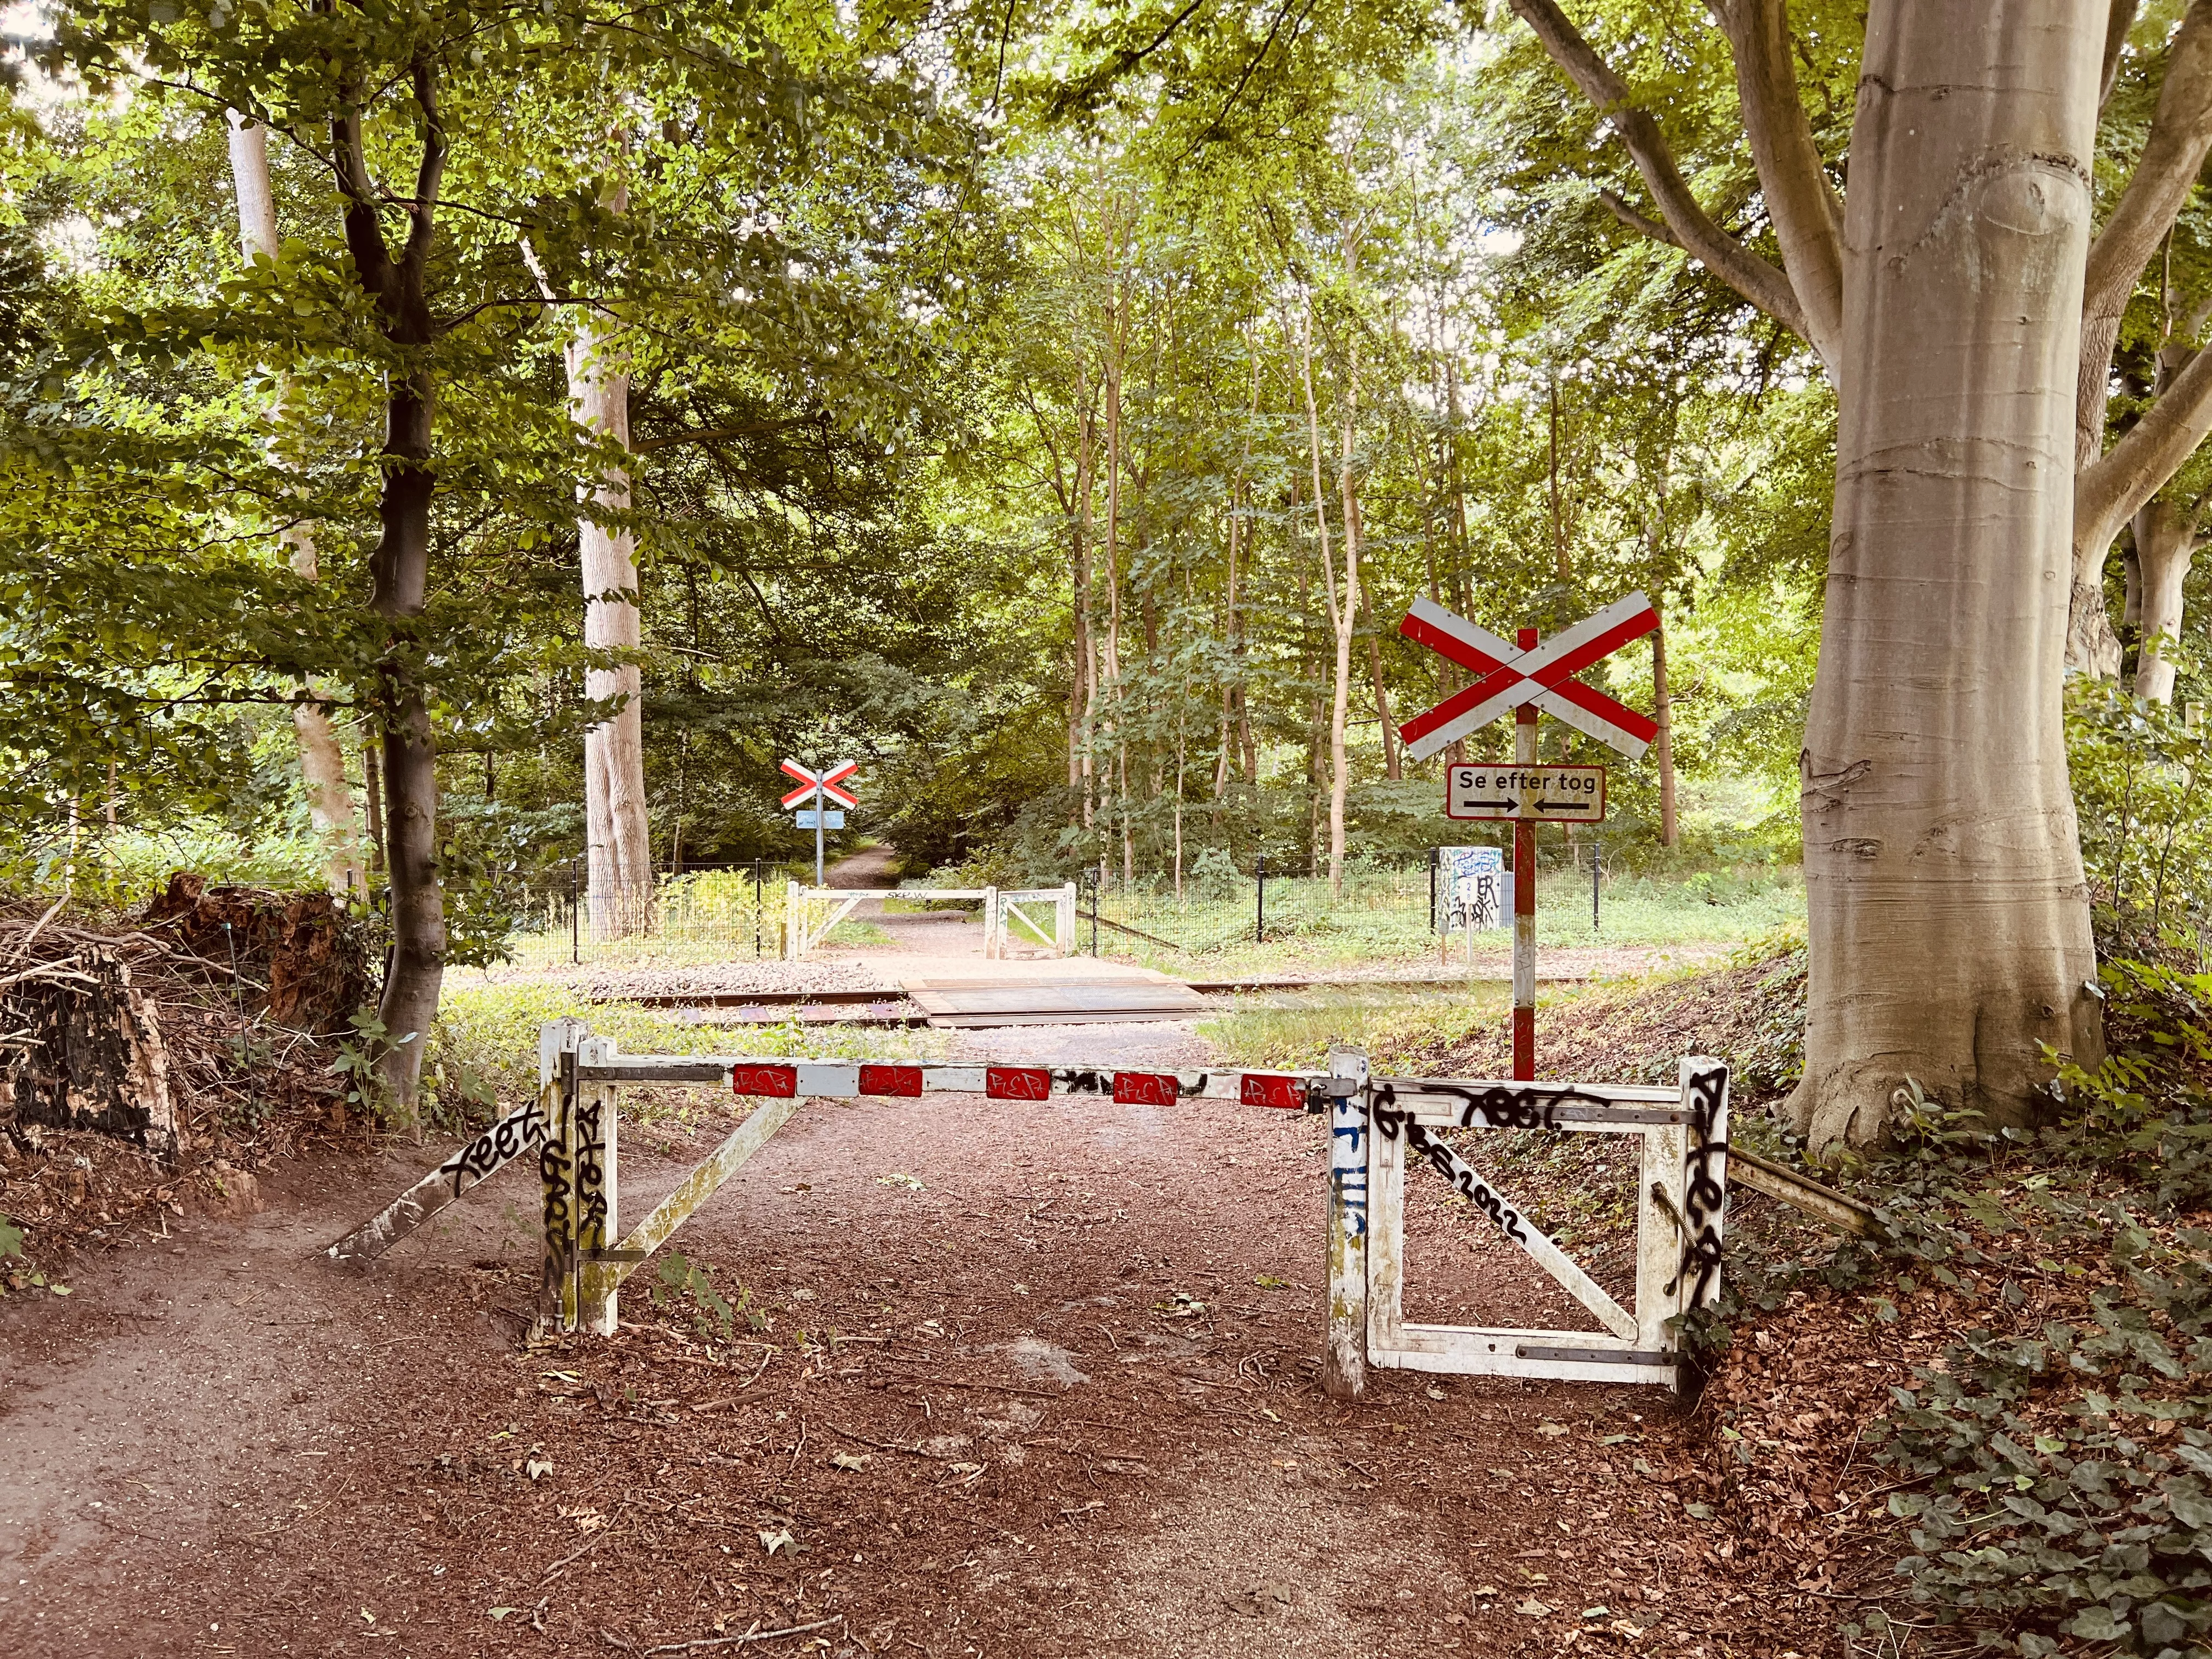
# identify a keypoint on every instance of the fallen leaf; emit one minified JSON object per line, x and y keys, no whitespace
{"x":538,"y":1466}
{"x":498,"y":1613}
{"x":1532,"y":1608}
{"x":1551,"y":1428}
{"x":1269,"y":1282}
{"x":853,"y":1460}
{"x":1486,"y":1589}
{"x":1615,"y":1439}
{"x":1597,"y":1612}
{"x":899,"y":1179}
{"x":1434,"y":1392}
{"x":782,"y":1539}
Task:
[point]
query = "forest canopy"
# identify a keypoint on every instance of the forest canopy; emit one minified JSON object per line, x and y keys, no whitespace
{"x":1056,"y":412}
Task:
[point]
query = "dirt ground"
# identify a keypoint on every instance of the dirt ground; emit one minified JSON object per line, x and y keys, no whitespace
{"x":1035,"y":1380}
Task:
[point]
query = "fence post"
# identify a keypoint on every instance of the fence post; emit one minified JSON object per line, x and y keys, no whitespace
{"x":558,"y":1042}
{"x":596,"y":1222}
{"x":1063,"y":929}
{"x":1344,"y":1363}
{"x":991,"y":950}
{"x":794,"y":926}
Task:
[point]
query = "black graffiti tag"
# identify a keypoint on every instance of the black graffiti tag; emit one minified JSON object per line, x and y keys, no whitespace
{"x":508,"y":1137}
{"x":1455,"y":1170}
{"x":1704,"y":1193}
{"x":1500,"y":1106}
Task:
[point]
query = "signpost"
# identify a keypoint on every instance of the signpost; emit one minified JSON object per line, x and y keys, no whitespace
{"x":1542,"y":794}
{"x":822,"y":787}
{"x":1526,"y":677}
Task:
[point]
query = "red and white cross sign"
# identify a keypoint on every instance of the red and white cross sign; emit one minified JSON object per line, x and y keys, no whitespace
{"x":827,"y":782}
{"x":1544,"y":676}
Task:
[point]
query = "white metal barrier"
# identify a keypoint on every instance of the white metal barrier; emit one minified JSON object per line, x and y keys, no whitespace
{"x":812,"y":912}
{"x":1681,"y":1192}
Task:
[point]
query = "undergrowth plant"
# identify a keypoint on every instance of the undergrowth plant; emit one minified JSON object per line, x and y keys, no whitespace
{"x":2055,"y":1463}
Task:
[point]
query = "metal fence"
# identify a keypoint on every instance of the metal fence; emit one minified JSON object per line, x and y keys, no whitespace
{"x":1385,"y":908}
{"x":722,"y":914}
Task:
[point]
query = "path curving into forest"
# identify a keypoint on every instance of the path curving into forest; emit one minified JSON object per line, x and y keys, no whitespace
{"x":1070,"y":1407}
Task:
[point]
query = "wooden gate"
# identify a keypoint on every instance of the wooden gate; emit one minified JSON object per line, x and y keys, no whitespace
{"x":1374,"y":1123}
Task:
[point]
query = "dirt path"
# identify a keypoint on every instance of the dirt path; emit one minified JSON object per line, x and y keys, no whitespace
{"x":1042,"y":1381}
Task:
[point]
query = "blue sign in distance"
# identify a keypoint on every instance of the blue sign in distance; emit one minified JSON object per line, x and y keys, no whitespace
{"x":833,"y":819}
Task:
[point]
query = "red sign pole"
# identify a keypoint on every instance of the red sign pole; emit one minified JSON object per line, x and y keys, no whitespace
{"x":1524,"y":896}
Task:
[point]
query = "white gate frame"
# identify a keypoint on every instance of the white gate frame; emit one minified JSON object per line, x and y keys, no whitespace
{"x":1681,"y":1192}
{"x":811,"y":913}
{"x":1003,"y":910}
{"x":1681,"y":1196}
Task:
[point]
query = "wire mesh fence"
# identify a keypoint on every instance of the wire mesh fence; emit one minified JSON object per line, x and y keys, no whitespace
{"x":727,"y":914}
{"x":1389,"y":911}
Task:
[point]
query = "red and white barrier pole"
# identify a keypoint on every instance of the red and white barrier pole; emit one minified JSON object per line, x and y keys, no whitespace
{"x":1524,"y":898}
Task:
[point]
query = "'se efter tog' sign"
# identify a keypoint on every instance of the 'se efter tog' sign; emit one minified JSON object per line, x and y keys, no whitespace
{"x":1544,"y":794}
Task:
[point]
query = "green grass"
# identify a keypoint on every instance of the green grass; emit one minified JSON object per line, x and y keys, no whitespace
{"x":1383,"y":919}
{"x":484,"y":1048}
{"x":1299,"y":1039}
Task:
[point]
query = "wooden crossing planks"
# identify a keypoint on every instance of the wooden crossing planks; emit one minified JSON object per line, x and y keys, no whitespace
{"x":968,"y":1004}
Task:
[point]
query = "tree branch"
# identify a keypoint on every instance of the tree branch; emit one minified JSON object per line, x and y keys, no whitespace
{"x":1122,"y":61}
{"x":1705,"y":241}
{"x":428,"y":175}
{"x":1800,"y":202}
{"x":2180,"y":134}
{"x":1636,"y":221}
{"x":2118,"y":22}
{"x":710,"y":434}
{"x":2107,"y":494}
{"x":364,"y":235}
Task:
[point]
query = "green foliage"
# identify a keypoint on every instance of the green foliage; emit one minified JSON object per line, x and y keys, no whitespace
{"x":687,"y":1288}
{"x":2141,"y":785}
{"x":488,"y":1033}
{"x":2055,"y":1469}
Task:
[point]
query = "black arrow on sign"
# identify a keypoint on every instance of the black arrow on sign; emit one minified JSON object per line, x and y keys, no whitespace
{"x":1563,"y":806}
{"x":1486,"y":803}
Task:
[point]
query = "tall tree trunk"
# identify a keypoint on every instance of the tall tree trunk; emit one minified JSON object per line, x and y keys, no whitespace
{"x":619,"y":846}
{"x":1355,"y":532}
{"x":1083,"y":698}
{"x":322,"y":763}
{"x":1340,"y":616}
{"x":1663,"y":746}
{"x":2166,"y":543}
{"x":1950,"y":930}
{"x":400,"y":577}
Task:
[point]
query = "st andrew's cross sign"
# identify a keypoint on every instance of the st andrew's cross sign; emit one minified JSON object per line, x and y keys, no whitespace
{"x":1515,"y":676}
{"x":1525,"y":678}
{"x":822,"y":787}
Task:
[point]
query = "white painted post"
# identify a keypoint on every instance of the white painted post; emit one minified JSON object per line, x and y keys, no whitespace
{"x":1063,"y":925}
{"x":1344,"y":1362}
{"x":794,"y":924}
{"x":993,"y":949}
{"x":1704,"y":1178}
{"x":556,"y":1168}
{"x":1386,"y":1233}
{"x":1658,"y":1236}
{"x":596,"y":1223}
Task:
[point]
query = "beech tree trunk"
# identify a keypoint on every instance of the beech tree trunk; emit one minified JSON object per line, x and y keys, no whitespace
{"x":322,"y":764}
{"x":619,"y":850}
{"x":399,"y":571}
{"x":1950,"y":931}
{"x":1341,"y":616}
{"x":2166,"y":544}
{"x":1663,"y":746}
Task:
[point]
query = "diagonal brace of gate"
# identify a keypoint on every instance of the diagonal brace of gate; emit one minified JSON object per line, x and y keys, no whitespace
{"x":1511,"y":1219}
